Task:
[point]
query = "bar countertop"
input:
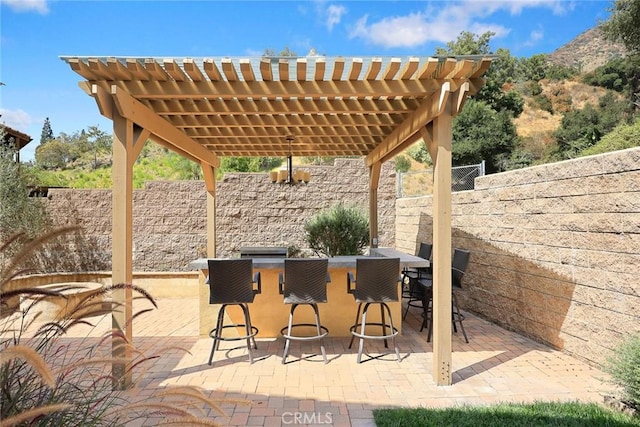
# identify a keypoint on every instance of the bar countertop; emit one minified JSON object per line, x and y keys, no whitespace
{"x":269,"y":313}
{"x":348,"y":261}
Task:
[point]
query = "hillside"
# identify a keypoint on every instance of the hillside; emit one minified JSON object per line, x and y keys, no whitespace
{"x":587,"y":51}
{"x":564,"y":95}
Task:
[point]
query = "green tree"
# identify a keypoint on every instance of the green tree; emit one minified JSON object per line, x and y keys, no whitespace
{"x":248,"y":164}
{"x":47,"y":132}
{"x":419,"y":152}
{"x":481,"y":133}
{"x":98,"y":142}
{"x":612,"y":75}
{"x":581,"y":129}
{"x":467,"y":43}
{"x":286,"y":52}
{"x":533,"y":68}
{"x":500,"y":100}
{"x":403,"y":164}
{"x":623,"y":24}
{"x":18,"y":211}
{"x":503,"y":66}
{"x":53,"y":154}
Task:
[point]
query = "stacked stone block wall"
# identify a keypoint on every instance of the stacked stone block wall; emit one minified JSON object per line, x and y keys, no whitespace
{"x":555,"y":249}
{"x":169,"y":217}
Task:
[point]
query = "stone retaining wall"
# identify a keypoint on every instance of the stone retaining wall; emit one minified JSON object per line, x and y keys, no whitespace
{"x":169,"y":217}
{"x":555,"y":249}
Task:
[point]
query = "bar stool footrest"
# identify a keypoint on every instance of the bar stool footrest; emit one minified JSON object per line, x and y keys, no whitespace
{"x":213,"y":333}
{"x":354,"y":332}
{"x":324,"y":333}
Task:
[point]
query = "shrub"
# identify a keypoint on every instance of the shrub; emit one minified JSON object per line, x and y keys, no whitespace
{"x":403,"y":164}
{"x":419,"y":153}
{"x":18,"y":212}
{"x":622,"y":137}
{"x":624,"y":368}
{"x":338,"y":231}
{"x":543,"y":102}
{"x":531,"y":88}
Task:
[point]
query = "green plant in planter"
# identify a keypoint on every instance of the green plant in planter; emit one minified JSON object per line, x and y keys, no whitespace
{"x":339,"y":230}
{"x":624,"y":368}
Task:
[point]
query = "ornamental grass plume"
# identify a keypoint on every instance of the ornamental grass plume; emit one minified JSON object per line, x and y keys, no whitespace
{"x":49,"y":378}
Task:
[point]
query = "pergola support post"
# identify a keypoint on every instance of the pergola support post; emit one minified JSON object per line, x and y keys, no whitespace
{"x":442,"y":246}
{"x":374,"y":181}
{"x":122,"y":249}
{"x":209,"y":173}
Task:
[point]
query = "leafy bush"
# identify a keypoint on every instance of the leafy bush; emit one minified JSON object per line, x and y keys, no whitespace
{"x":419,"y":152}
{"x":17,"y":211}
{"x":531,"y":88}
{"x":560,"y":72}
{"x":543,"y":102}
{"x":402,"y":164}
{"x":581,"y":129}
{"x":480,"y":133}
{"x":338,"y":231}
{"x":622,"y":137}
{"x":248,"y":164}
{"x":612,"y":75}
{"x":624,"y":368}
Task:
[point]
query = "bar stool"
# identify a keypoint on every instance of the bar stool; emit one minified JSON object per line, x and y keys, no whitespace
{"x":231,"y":283}
{"x":410,"y":276}
{"x":458,"y":268}
{"x":304,"y":283}
{"x":376,"y":282}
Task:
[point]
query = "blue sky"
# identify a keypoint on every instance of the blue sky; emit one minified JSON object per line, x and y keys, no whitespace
{"x":35,"y":33}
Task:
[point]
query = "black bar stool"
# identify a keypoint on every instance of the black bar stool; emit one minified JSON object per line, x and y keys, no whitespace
{"x":376,"y":282}
{"x":304,"y":283}
{"x":231,"y":283}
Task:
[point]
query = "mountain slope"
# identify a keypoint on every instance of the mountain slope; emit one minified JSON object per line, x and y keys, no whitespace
{"x":587,"y":51}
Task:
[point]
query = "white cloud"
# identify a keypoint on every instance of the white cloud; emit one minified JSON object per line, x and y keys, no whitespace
{"x":334,"y":15}
{"x":534,"y":37}
{"x":39,"y":6}
{"x":16,"y":119}
{"x":444,"y":21}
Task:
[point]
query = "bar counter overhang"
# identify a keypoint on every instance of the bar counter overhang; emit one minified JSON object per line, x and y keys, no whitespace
{"x":269,"y":313}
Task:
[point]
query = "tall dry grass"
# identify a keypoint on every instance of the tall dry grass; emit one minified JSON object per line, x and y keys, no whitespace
{"x":50,"y":379}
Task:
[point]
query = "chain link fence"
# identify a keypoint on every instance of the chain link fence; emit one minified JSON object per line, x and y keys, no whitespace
{"x":414,"y":184}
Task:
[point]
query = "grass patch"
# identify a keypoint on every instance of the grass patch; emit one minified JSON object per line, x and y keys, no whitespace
{"x":541,"y":414}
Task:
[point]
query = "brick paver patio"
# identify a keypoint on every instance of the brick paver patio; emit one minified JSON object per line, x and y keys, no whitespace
{"x":497,"y":365}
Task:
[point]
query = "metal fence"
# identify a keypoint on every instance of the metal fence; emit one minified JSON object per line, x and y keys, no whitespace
{"x":414,"y":184}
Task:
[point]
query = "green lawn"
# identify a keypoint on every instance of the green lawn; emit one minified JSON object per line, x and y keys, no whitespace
{"x":541,"y":414}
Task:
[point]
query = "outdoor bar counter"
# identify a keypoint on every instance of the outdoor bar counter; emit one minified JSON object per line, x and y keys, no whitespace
{"x":269,"y":313}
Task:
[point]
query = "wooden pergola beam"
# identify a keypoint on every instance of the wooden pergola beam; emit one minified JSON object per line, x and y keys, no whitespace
{"x":426,"y":112}
{"x":134,"y":110}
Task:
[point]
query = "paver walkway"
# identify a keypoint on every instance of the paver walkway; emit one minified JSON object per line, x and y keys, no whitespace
{"x":497,"y":365}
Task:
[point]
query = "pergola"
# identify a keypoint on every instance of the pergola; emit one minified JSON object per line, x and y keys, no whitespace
{"x":206,"y":108}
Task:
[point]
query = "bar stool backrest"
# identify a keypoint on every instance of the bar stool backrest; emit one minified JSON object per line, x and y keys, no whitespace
{"x":459,"y":266}
{"x":377,"y":279}
{"x":231,"y":281}
{"x":425,"y":250}
{"x":305,"y":280}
